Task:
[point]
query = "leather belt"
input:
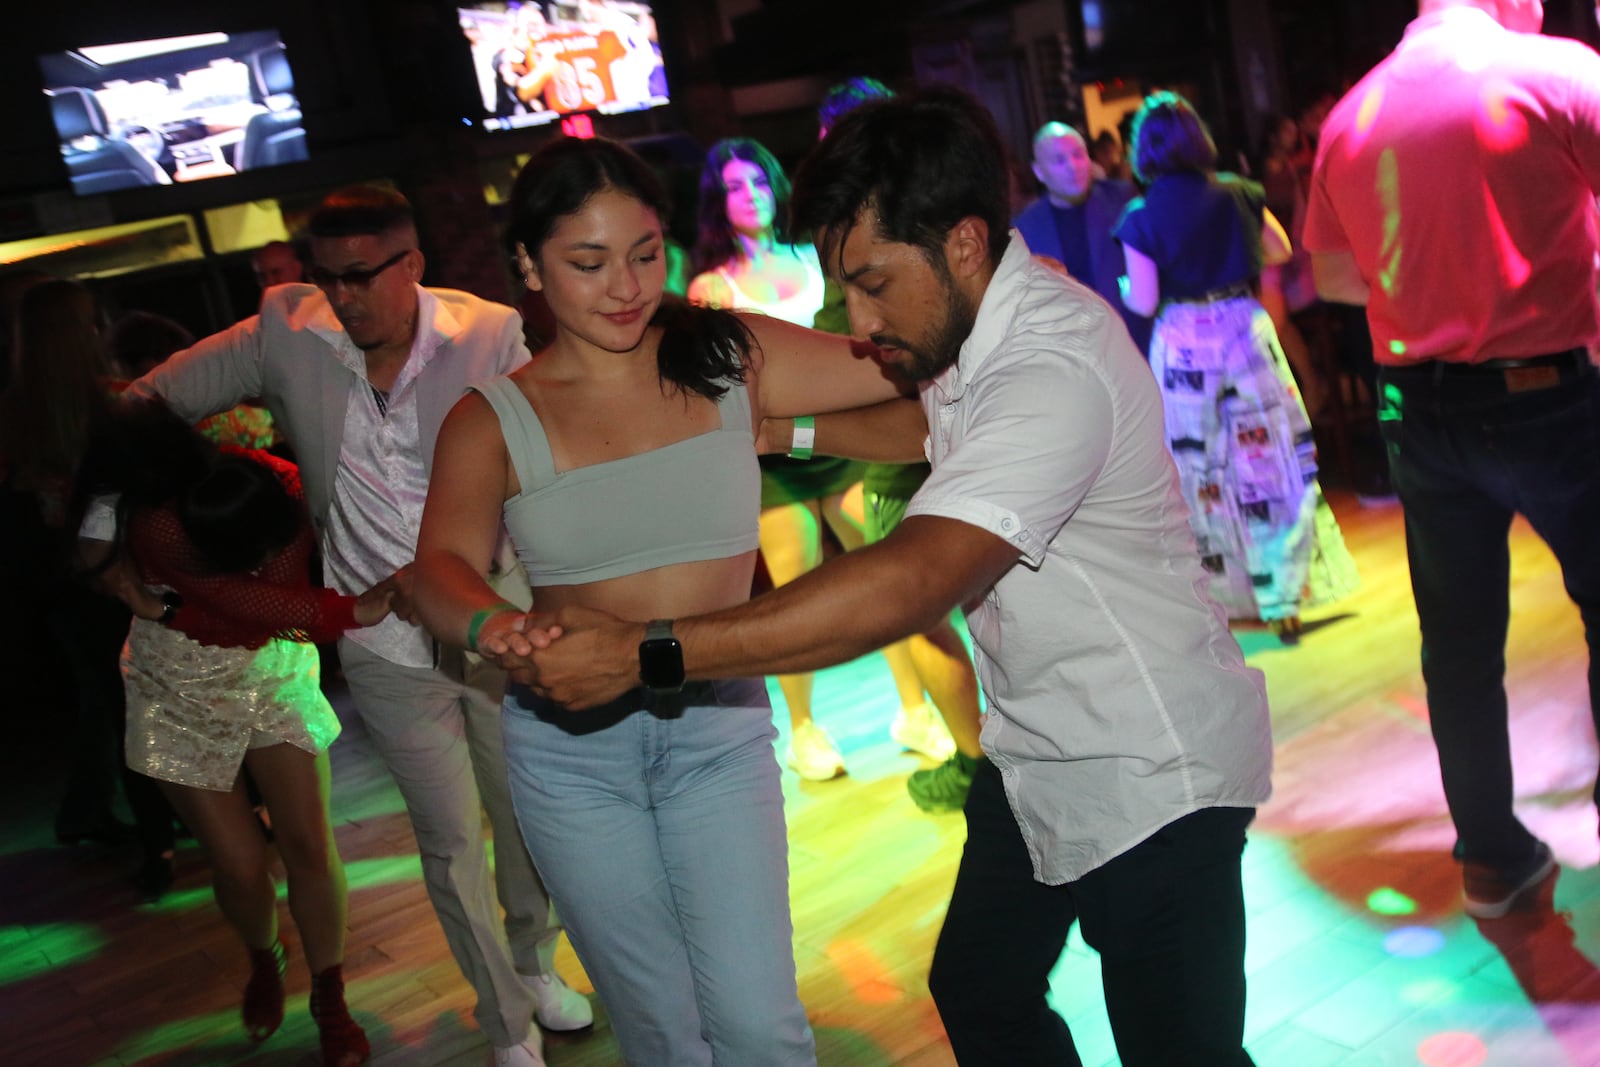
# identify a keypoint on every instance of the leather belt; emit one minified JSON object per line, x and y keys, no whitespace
{"x":1230,"y":292}
{"x":1519,"y":374}
{"x":1572,"y":357}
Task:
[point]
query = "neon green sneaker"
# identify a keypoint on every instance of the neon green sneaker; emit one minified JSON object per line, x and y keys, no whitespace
{"x":943,"y":788}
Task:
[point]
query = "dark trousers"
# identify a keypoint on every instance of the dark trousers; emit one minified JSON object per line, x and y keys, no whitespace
{"x":1468,"y":450}
{"x":1167,"y":918}
{"x":91,"y":628}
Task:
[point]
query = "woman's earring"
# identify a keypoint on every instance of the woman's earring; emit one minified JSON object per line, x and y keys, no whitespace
{"x":523,"y":263}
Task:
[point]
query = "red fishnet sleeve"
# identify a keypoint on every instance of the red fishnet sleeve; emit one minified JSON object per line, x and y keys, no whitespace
{"x":240,"y":610}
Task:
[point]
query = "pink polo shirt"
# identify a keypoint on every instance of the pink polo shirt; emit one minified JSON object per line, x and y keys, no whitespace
{"x":1461,"y":174}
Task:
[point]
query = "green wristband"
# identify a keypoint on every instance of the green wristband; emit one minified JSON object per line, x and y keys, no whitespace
{"x":482,"y":616}
{"x":805,"y":435}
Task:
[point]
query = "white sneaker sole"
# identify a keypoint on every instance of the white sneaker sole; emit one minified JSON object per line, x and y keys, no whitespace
{"x":1499,"y":909}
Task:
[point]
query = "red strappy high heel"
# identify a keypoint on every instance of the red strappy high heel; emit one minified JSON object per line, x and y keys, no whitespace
{"x":344,"y":1043}
{"x":263,"y":997}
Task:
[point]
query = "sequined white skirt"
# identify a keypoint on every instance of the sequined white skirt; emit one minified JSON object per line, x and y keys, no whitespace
{"x":193,"y":709}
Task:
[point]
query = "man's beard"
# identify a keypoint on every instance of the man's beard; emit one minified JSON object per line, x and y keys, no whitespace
{"x":932,"y":355}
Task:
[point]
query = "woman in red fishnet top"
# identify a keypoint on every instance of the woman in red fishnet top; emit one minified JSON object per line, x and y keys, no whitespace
{"x":211,"y":549}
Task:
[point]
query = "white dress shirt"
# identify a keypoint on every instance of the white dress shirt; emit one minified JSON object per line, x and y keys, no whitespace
{"x":1118,"y":700}
{"x":380,"y":486}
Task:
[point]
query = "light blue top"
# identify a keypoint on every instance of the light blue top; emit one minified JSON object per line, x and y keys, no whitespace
{"x":692,"y":500}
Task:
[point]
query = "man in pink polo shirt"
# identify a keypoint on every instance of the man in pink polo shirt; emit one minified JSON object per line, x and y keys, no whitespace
{"x":1454,"y":196}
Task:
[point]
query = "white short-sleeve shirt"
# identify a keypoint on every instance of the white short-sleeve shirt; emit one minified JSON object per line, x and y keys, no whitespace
{"x":1119,"y":701}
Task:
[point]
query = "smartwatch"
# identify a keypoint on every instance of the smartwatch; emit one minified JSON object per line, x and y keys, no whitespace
{"x":660,"y":658}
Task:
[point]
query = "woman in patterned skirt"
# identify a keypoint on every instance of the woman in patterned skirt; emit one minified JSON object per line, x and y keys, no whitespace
{"x":1196,"y":243}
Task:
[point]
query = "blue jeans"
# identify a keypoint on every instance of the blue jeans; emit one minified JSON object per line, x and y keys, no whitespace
{"x":1469,"y":448}
{"x":658,"y":822}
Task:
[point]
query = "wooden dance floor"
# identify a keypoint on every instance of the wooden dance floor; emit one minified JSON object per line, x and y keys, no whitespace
{"x":1359,"y":952}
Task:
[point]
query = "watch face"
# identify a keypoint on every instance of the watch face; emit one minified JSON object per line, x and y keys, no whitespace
{"x":661,"y":663}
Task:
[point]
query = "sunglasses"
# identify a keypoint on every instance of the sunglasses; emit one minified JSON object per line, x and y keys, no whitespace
{"x":355,"y":280}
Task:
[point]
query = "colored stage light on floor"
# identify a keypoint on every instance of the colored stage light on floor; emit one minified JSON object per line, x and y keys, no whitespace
{"x":1453,"y":1049}
{"x":389,"y":870}
{"x":1413,"y":942}
{"x":1387,"y":901}
{"x":49,"y":946}
{"x":864,"y":969}
{"x":178,"y":901}
{"x":212,"y":1037}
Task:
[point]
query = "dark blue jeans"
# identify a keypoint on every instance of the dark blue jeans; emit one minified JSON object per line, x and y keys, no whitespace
{"x":1167,"y":918}
{"x":1468,"y":450}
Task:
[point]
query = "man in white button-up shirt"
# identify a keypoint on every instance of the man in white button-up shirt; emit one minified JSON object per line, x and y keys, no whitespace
{"x":1128,"y":743}
{"x":359,"y":370}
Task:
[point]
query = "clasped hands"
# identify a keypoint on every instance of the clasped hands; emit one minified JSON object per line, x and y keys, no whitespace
{"x":392,"y":594}
{"x":576,"y":657}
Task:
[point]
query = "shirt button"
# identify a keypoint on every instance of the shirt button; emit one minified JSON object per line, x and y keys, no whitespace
{"x":1008,"y":525}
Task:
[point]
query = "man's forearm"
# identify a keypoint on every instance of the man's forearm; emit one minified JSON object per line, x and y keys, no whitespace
{"x":860,"y":602}
{"x":891,"y":432}
{"x":213,"y":375}
{"x":831,"y":615}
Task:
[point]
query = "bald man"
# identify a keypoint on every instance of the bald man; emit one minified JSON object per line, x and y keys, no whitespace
{"x":276,"y":263}
{"x":1073,"y":220}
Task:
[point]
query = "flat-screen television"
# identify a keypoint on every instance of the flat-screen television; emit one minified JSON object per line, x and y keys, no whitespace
{"x":175,"y":109}
{"x":540,"y":62}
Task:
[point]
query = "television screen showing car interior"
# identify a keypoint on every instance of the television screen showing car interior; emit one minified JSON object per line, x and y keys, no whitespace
{"x":175,"y":109}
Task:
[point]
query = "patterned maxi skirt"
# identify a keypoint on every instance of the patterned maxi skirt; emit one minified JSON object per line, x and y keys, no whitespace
{"x":194,"y":710}
{"x":1239,"y":434}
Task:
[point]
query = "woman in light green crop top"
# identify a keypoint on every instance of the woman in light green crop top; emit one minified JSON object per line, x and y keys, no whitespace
{"x":657,"y":821}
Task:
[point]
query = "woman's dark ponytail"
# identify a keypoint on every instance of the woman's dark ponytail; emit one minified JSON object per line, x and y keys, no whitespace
{"x":702,"y":349}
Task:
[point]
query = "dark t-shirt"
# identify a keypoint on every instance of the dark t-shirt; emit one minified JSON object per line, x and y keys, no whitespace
{"x":1202,"y":231}
{"x":1073,"y":229}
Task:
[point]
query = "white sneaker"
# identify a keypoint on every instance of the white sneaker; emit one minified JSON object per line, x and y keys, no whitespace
{"x":527,"y":1053}
{"x":556,"y":1005}
{"x":922,"y":729}
{"x":813,"y":754}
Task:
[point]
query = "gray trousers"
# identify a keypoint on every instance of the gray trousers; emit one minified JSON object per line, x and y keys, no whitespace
{"x":438,"y":732}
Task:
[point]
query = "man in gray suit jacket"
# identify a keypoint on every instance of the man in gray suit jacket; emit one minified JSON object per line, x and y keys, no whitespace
{"x":359,"y":370}
{"x":1073,"y":220}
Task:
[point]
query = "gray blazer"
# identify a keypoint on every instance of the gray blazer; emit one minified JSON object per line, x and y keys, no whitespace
{"x":288,"y":356}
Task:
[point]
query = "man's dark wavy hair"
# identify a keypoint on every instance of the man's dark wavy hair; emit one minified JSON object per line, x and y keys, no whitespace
{"x":920,"y":163}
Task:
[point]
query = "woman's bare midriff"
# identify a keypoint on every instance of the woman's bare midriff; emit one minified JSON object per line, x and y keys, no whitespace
{"x":670,"y":592}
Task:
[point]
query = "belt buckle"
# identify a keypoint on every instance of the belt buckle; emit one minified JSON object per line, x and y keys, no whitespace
{"x":1531,"y":379}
